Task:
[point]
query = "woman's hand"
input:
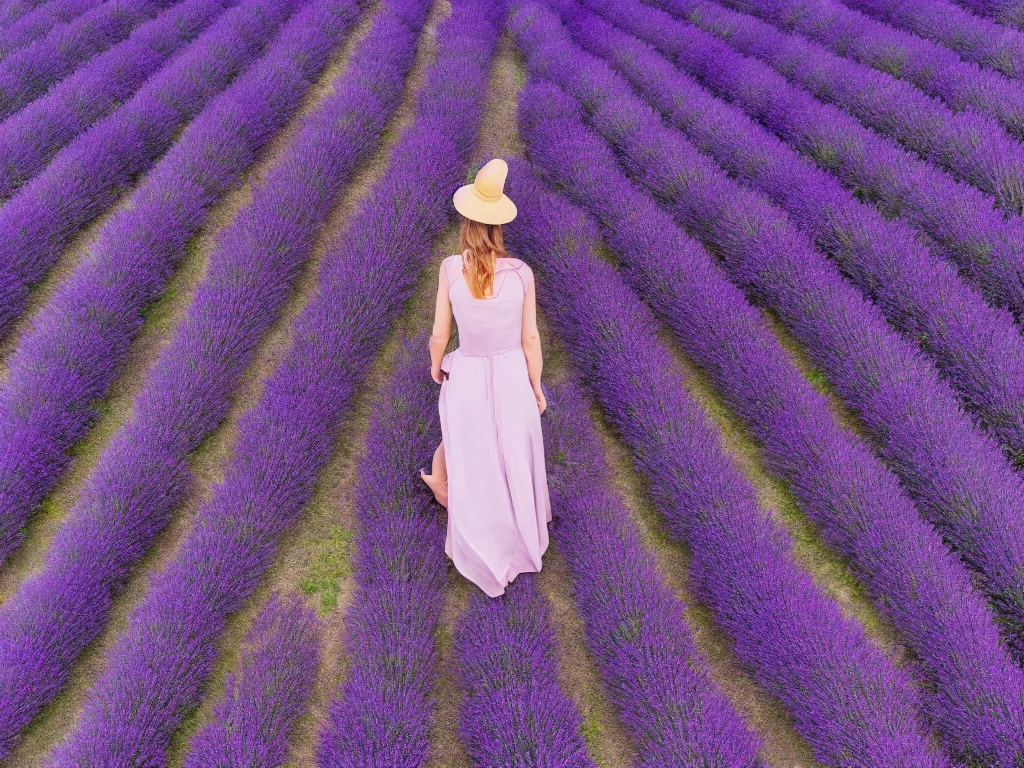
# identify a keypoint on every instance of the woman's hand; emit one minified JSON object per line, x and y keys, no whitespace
{"x":435,"y":373}
{"x":542,"y":402}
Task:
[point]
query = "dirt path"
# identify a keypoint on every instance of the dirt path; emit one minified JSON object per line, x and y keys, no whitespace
{"x":208,"y":462}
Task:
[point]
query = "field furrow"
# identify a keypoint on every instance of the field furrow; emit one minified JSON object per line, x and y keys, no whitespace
{"x":144,"y":471}
{"x":958,"y":221}
{"x":978,"y":348}
{"x":283,"y":441}
{"x":932,"y":68}
{"x":958,"y":477}
{"x":27,"y":73}
{"x":921,"y":587}
{"x":840,"y":690}
{"x":24,"y":22}
{"x":779,"y":249}
{"x":30,"y":139}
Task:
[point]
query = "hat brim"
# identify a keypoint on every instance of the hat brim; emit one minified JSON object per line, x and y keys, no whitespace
{"x":501,"y":211}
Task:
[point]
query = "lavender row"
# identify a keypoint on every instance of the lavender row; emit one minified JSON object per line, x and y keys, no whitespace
{"x":971,"y":146}
{"x":27,"y":73}
{"x":30,"y":139}
{"x":922,"y":587}
{"x":961,"y":222}
{"x":12,"y":10}
{"x":381,"y":716}
{"x":958,"y":477}
{"x":977,"y":347}
{"x":634,"y":625}
{"x":844,"y":696}
{"x":1010,"y":12}
{"x":22,"y":24}
{"x":89,"y":173}
{"x":975,"y":38}
{"x":513,"y":710}
{"x":72,"y":351}
{"x":934,"y":69}
{"x":267,"y":694}
{"x":143,"y":474}
{"x":156,"y":670}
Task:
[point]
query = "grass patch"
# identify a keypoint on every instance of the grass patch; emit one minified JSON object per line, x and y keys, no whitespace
{"x":330,"y":561}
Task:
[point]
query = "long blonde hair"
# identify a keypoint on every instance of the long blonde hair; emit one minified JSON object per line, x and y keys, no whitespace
{"x":482,"y":245}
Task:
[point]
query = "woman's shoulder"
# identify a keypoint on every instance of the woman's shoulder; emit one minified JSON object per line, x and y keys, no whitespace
{"x":511,"y":262}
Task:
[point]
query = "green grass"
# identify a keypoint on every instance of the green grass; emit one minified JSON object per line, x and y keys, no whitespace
{"x":330,"y":561}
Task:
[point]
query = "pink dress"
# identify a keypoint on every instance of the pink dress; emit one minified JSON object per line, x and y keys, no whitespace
{"x":498,"y":504}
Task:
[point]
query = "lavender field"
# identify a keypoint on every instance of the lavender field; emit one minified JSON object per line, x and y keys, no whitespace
{"x":779,"y":250}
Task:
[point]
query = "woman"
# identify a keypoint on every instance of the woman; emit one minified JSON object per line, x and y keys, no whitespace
{"x":489,"y":469}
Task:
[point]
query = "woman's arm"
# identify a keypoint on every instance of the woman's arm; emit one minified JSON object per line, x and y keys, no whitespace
{"x":442,"y":326}
{"x":531,"y":341}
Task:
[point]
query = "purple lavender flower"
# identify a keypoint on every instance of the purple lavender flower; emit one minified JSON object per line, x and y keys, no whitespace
{"x":975,"y":38}
{"x":89,"y":174}
{"x":156,"y":670}
{"x":1005,"y":11}
{"x":27,"y":21}
{"x":634,"y":623}
{"x":381,"y":716}
{"x":978,"y":348}
{"x":969,"y":145}
{"x":957,"y":475}
{"x":74,"y":349}
{"x":28,"y":72}
{"x":845,"y":697}
{"x":514,"y":712}
{"x":960,"y":222}
{"x":267,"y":694}
{"x":914,"y":579}
{"x":934,"y":69}
{"x":144,"y":472}
{"x":30,"y":139}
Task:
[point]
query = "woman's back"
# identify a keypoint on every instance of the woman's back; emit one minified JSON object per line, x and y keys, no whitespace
{"x":495,"y":323}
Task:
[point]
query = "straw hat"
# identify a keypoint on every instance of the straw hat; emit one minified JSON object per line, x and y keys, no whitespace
{"x":484,"y":200}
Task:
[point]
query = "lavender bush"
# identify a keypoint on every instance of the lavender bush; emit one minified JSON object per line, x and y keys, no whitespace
{"x":977,"y":347}
{"x":143,"y":474}
{"x":975,"y":38}
{"x":933,"y":68}
{"x":72,"y":352}
{"x":634,"y":625}
{"x":961,"y":223}
{"x":30,"y":139}
{"x":157,"y":668}
{"x":971,"y":146}
{"x":1010,"y":12}
{"x":24,"y":22}
{"x":89,"y":174}
{"x":958,"y":477}
{"x":844,"y":696}
{"x":858,"y":505}
{"x":514,"y":712}
{"x":382,"y":714}
{"x":26,"y":74}
{"x":266,"y":695}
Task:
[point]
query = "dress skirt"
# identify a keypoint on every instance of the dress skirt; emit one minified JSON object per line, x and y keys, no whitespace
{"x":498,"y":504}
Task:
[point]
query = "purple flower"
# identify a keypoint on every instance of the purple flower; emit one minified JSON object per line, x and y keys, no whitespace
{"x":266,"y":694}
{"x":156,"y":670}
{"x":845,"y":697}
{"x":921,"y":587}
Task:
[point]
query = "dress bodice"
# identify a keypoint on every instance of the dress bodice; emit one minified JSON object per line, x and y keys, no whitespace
{"x":495,"y":323}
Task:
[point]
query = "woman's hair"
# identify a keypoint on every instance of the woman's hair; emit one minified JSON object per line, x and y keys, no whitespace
{"x":482,"y":245}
